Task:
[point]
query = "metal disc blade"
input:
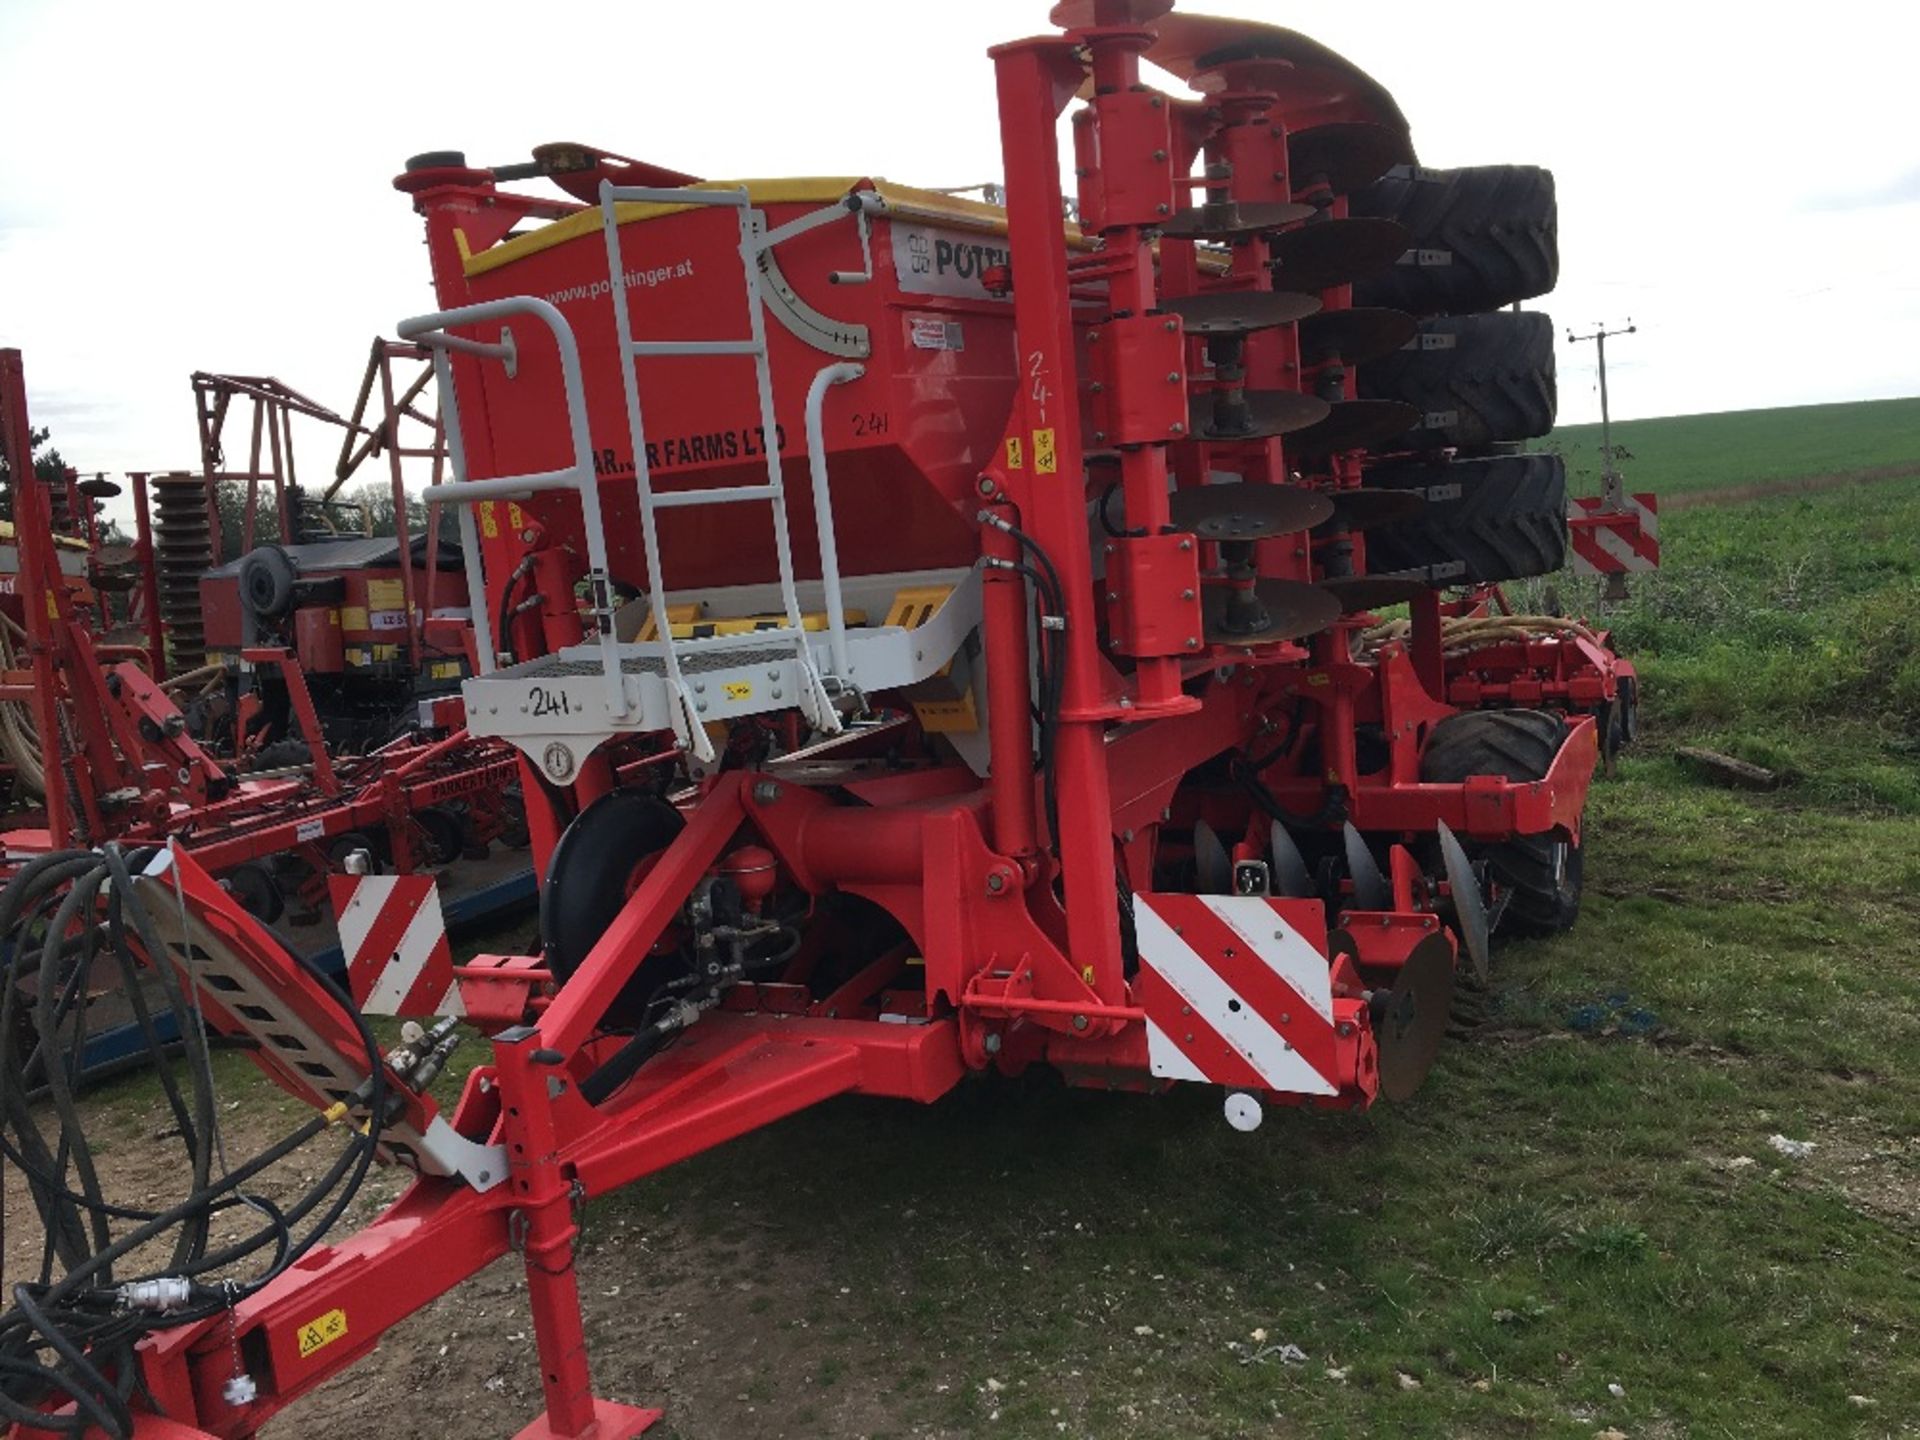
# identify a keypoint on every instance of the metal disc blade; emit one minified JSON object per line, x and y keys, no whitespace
{"x":1370,"y":888}
{"x":1225,"y":221}
{"x":1288,"y":610}
{"x":1238,"y":312}
{"x":1318,"y":256}
{"x":118,"y":582}
{"x":1079,"y":14}
{"x":1205,"y":51}
{"x":1290,"y":876}
{"x":1348,"y":157}
{"x":1369,"y":592}
{"x":1353,"y":425}
{"x":1364,"y":509}
{"x":1214,"y":415}
{"x":99,"y":487}
{"x":1411,"y":1025}
{"x":1212,"y":866}
{"x":1246,"y":511}
{"x":1469,"y":906}
{"x":1359,"y":333}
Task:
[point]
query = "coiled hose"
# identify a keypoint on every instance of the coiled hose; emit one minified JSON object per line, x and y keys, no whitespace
{"x":70,"y":1335}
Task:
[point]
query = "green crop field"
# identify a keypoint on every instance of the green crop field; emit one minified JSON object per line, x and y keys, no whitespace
{"x":1681,"y":454}
{"x":1581,"y":1227}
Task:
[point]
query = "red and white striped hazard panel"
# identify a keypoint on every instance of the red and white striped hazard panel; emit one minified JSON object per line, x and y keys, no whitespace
{"x":1614,"y":542}
{"x":394,"y":939}
{"x":1234,"y":995}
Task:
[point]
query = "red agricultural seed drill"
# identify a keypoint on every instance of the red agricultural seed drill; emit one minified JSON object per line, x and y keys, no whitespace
{"x":938,"y":636}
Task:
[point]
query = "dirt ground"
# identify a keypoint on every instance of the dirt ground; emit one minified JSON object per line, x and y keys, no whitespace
{"x":729,"y":1340}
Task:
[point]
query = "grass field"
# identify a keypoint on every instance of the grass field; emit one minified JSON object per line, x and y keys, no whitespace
{"x":1580,"y":1227}
{"x":1683,"y":454}
{"x":1584,"y":1196}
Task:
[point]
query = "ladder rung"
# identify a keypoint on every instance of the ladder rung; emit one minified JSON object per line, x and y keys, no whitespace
{"x":638,"y":348}
{"x":722,"y":495}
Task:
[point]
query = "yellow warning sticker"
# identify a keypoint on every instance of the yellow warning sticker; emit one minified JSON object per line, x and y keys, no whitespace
{"x":489,"y":519}
{"x":1044,"y":461}
{"x":516,"y":516}
{"x":1016,"y":456}
{"x":739,"y":690}
{"x":317,"y":1334}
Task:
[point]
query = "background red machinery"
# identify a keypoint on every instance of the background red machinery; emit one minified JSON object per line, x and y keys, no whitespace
{"x":1054,"y":721}
{"x":108,"y":720}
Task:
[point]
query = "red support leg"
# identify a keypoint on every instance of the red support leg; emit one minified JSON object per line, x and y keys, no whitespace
{"x":543,"y":1227}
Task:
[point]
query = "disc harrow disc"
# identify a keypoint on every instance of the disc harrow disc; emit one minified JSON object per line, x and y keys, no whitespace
{"x":1255,"y":415}
{"x":1318,"y":256}
{"x":1211,"y":53}
{"x":1230,"y":220}
{"x":1356,"y":334}
{"x":1238,"y":312}
{"x":99,"y":488}
{"x":1364,"y":509}
{"x":1410,"y":1020}
{"x":1290,"y":876}
{"x":1469,"y":906}
{"x":1244,"y":511}
{"x":1353,"y":425}
{"x":1347,"y":157}
{"x":1212,"y":866}
{"x":1369,"y":592}
{"x":1370,"y":888}
{"x":1287,"y":610}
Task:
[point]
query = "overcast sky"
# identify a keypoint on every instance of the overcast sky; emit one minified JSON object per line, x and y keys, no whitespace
{"x":207,"y":187}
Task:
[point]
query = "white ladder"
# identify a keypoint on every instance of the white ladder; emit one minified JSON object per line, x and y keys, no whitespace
{"x":815,"y":699}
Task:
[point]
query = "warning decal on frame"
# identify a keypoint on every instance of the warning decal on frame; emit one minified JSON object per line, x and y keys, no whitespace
{"x":317,"y":1334}
{"x":1016,"y":457}
{"x":1044,"y":462}
{"x":739,"y":689}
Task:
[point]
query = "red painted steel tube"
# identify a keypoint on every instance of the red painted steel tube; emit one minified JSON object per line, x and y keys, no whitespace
{"x":1035,"y":79}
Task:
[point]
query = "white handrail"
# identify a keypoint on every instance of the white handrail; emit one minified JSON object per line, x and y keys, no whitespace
{"x":823,"y":381}
{"x":431,"y":330}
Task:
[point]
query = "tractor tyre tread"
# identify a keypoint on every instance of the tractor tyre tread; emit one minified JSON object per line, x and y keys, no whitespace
{"x":1496,"y":381}
{"x":1508,"y":521}
{"x":1499,"y":225}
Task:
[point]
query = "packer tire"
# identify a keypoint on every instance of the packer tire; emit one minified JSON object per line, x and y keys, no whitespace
{"x":597,"y":861}
{"x":1541,"y":874}
{"x":1498,"y":227}
{"x":1488,"y":519}
{"x":1477,"y":380}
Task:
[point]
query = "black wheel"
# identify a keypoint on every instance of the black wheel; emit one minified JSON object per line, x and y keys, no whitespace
{"x":1477,"y":380}
{"x":444,"y":832}
{"x":1484,"y":236}
{"x":1541,"y":874}
{"x":345,"y":843}
{"x":602,"y":856}
{"x":253,"y":885}
{"x":1487,"y":519}
{"x":266,"y":582}
{"x":1627,"y":689}
{"x":514,"y":833}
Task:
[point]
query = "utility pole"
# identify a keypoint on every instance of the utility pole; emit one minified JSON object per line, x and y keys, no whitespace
{"x":1609,"y":476}
{"x":1612,"y":491}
